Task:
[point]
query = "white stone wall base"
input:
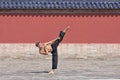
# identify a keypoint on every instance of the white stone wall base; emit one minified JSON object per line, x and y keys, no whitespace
{"x":65,"y":50}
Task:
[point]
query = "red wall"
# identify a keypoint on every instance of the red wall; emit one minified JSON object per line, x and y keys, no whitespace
{"x":85,"y":28}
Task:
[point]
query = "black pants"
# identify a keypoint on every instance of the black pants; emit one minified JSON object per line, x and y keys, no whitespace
{"x":54,"y":52}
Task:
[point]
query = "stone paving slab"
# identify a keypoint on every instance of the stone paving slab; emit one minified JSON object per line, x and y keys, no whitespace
{"x":68,"y":69}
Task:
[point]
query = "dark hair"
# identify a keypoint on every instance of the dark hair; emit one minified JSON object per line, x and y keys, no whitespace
{"x":37,"y":44}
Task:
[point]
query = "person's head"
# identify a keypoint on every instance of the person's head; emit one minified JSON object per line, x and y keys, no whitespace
{"x":37,"y":44}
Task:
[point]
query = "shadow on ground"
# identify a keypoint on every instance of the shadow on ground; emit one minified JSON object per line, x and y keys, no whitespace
{"x":38,"y":72}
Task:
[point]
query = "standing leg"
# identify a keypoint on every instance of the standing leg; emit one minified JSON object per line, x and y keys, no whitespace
{"x":54,"y":59}
{"x":54,"y":56}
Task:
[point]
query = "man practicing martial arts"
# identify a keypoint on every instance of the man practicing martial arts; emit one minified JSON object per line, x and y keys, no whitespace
{"x":51,"y":47}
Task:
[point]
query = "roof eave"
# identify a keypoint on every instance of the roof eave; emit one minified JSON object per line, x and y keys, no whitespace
{"x":59,"y":10}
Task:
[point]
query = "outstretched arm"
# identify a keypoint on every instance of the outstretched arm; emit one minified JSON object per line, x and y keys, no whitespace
{"x":52,"y":41}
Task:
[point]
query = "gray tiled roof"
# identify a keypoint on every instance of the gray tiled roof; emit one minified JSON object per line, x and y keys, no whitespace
{"x":59,"y":4}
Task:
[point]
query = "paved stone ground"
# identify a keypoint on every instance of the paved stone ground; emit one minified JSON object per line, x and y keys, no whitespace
{"x":68,"y":69}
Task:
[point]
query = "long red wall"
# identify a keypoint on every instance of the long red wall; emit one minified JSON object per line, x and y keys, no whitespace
{"x":85,"y":28}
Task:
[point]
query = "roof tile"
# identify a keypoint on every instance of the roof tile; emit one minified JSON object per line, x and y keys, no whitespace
{"x":59,"y":4}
